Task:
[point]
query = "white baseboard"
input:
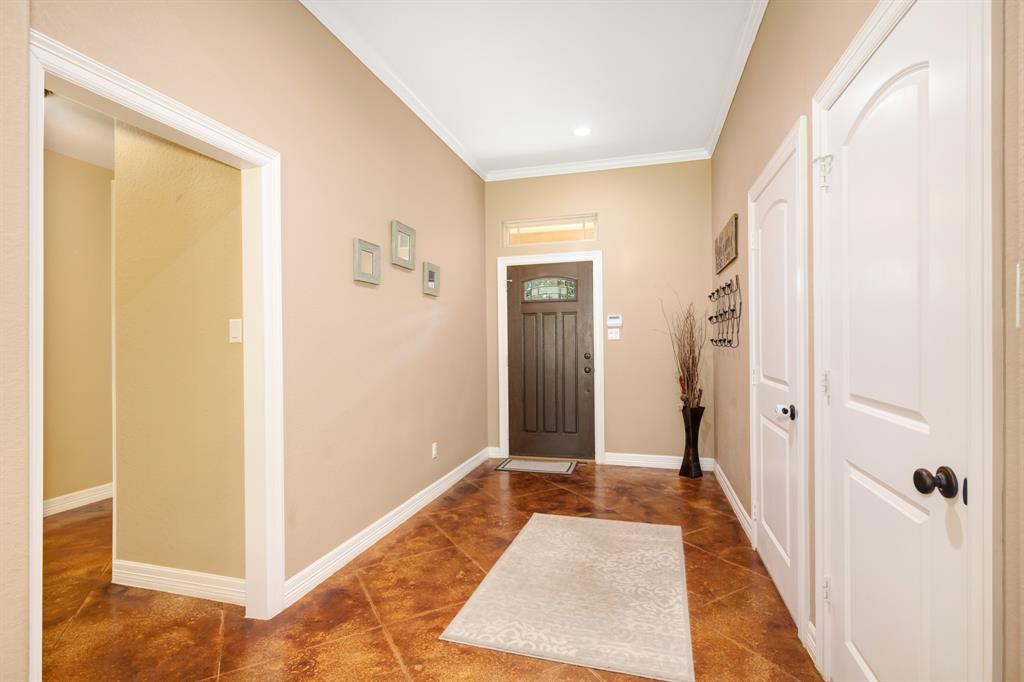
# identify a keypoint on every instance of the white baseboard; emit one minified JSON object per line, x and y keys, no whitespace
{"x":741,"y":514}
{"x":179,"y":581}
{"x":810,"y":639}
{"x":653,"y":461}
{"x":79,"y":498}
{"x":305,"y":580}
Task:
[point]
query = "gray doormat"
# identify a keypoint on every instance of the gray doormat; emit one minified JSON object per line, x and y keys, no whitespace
{"x":538,"y":466}
{"x":590,"y":592}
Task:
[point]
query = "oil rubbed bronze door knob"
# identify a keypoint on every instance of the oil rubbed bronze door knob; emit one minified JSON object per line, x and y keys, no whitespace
{"x":944,"y":479}
{"x":586,"y":356}
{"x":587,"y":370}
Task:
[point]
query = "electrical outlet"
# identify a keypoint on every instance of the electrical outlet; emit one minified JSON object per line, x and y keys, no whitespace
{"x":433,"y":451}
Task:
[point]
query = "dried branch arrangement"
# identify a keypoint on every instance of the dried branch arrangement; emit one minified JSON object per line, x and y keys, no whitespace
{"x":688,"y":335}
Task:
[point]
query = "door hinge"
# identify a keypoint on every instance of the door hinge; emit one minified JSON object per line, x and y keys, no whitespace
{"x":754,"y":241}
{"x":826,"y":589}
{"x":753,"y":511}
{"x":753,"y":376}
{"x":826,"y":386}
{"x":824,"y":164}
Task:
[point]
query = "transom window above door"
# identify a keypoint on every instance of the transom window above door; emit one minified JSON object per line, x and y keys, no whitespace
{"x":550,"y":230}
{"x":549,"y":289}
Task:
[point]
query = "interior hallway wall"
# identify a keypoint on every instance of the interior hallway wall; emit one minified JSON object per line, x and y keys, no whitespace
{"x":14,"y":22}
{"x":372,"y":374}
{"x":177,"y":282}
{"x":797,"y":45}
{"x":652,"y":225}
{"x":77,"y":383}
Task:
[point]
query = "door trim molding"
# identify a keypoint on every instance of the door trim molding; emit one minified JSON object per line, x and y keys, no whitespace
{"x":53,"y":64}
{"x":984,"y":553}
{"x":594,"y":257}
{"x":794,"y":145}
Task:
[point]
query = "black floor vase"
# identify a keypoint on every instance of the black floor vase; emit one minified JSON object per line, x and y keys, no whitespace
{"x":691,"y":455}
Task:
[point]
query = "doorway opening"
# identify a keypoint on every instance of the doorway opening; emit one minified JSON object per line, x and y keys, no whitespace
{"x":58,"y":69}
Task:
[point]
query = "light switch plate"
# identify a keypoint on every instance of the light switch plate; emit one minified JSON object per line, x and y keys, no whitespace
{"x":614,"y":334}
{"x":234,"y":331}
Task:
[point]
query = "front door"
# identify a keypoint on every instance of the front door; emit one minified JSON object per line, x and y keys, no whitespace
{"x":902,"y":269}
{"x":551,"y":360}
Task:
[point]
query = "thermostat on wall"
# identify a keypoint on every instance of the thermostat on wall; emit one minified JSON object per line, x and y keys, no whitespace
{"x":614,"y":321}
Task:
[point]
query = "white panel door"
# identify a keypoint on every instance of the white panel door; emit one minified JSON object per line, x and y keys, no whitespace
{"x":777,"y":237}
{"x":896,"y":227}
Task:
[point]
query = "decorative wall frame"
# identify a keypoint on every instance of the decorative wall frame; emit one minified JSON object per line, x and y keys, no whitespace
{"x":725,"y":243}
{"x":431,"y":279}
{"x":403,"y":245}
{"x":365,"y":261}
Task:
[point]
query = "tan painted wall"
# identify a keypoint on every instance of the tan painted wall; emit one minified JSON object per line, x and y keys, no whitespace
{"x":14,"y":340}
{"x":372,"y":375}
{"x":77,"y":382}
{"x":177,"y":282}
{"x":1013,"y":195}
{"x":797,"y":45}
{"x":653,"y":230}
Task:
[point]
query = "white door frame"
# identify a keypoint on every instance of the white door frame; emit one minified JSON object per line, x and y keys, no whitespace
{"x":984,"y":554}
{"x":58,"y":67}
{"x":504,"y":262}
{"x":795,"y":143}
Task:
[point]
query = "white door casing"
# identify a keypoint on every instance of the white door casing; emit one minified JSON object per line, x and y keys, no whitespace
{"x":900,"y":241}
{"x":777,"y":239}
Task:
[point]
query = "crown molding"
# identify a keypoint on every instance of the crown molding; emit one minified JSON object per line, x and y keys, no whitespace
{"x":353,"y":40}
{"x":743,"y":47}
{"x":598,"y":164}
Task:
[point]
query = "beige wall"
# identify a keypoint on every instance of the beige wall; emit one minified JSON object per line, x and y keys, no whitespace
{"x":653,"y":230}
{"x":372,"y":375}
{"x":14,"y":340}
{"x":177,"y":282}
{"x":77,"y":382}
{"x":797,"y":45}
{"x":1013,"y":194}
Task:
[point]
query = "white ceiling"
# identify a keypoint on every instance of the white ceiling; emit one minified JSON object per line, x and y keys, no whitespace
{"x":504,"y":83}
{"x":77,"y":131}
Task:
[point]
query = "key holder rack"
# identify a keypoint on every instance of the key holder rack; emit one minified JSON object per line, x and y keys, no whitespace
{"x":725,"y":320}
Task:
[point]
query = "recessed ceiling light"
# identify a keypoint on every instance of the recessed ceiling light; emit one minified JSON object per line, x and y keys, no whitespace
{"x":582,"y":131}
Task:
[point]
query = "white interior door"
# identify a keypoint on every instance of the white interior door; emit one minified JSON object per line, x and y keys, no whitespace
{"x":777,"y":237}
{"x":899,"y":332}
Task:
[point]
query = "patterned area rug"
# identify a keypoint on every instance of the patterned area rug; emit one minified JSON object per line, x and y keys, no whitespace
{"x":602,"y":594}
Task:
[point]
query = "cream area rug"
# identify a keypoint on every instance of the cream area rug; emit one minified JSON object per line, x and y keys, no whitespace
{"x":590,"y":592}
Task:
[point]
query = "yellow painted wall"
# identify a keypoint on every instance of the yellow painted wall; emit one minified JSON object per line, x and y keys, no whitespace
{"x":653,"y":229}
{"x":77,"y":382}
{"x":177,"y":282}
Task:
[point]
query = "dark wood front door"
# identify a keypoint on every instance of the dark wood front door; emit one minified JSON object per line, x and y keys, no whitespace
{"x":551,"y":360}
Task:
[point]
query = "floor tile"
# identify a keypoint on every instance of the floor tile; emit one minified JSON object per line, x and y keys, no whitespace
{"x":709,"y":578}
{"x":719,"y":659}
{"x":124,"y":633}
{"x":481,"y":531}
{"x":504,"y":485}
{"x":415,"y":536}
{"x":757,"y":618}
{"x":335,"y":609}
{"x":558,"y":501}
{"x":461,"y":494}
{"x":365,"y":656}
{"x":401,"y":587}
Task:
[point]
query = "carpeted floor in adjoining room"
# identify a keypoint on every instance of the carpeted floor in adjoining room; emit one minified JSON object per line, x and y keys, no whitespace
{"x":381,"y":616}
